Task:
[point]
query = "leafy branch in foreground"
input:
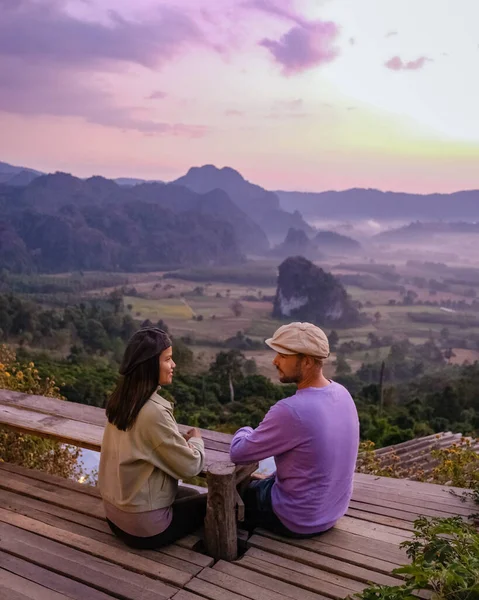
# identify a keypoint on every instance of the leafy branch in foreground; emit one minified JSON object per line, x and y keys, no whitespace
{"x":31,"y":451}
{"x":444,"y":557}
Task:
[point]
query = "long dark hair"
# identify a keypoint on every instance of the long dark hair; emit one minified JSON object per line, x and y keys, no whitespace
{"x":132,"y":392}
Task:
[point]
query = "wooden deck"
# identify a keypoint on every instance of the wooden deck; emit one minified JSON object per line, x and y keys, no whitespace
{"x":55,"y":544}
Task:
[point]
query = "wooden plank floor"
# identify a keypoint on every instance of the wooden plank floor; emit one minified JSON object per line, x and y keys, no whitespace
{"x":363,"y":548}
{"x":55,"y":544}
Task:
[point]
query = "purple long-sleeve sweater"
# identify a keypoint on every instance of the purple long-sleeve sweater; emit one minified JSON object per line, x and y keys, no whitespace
{"x":314,"y":438}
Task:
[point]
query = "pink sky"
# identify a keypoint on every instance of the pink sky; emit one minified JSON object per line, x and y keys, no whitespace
{"x":305,"y":95}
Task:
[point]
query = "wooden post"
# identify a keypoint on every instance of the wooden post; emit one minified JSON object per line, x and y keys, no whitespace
{"x":220,"y":522}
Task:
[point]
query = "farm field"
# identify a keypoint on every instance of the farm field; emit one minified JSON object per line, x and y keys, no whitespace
{"x":207,"y":306}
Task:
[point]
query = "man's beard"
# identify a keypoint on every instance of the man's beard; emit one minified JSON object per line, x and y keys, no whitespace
{"x":293,"y":378}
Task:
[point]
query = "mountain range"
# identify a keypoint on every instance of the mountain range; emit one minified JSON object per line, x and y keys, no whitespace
{"x":424,"y":231}
{"x":209,"y":216}
{"x":277,"y":211}
{"x":60,"y":222}
{"x":374,"y":204}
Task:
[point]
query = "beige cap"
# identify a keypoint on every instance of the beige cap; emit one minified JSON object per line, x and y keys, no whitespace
{"x":300,"y":338}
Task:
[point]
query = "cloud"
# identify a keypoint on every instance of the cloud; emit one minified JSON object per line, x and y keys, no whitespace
{"x":397,"y":64}
{"x":50,"y":62}
{"x":391,"y":34}
{"x":233,"y":113}
{"x":44,"y":31}
{"x":304,"y":46}
{"x":31,"y":91}
{"x":157,"y":95}
{"x":276,"y":8}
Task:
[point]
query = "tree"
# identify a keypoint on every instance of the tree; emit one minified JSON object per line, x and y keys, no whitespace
{"x":26,"y":450}
{"x":444,"y":334}
{"x":237,"y":308}
{"x":342,"y":366}
{"x":116,"y":300}
{"x":163,"y":326}
{"x":409,"y":298}
{"x":333,"y":340}
{"x":448,"y":354}
{"x":228,"y":369}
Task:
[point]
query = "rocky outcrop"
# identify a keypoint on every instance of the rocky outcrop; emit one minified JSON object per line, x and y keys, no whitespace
{"x":307,"y":293}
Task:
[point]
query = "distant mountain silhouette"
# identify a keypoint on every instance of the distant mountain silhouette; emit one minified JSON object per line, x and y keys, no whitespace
{"x":418,"y":232}
{"x":59,"y":222}
{"x":13,"y":175}
{"x":277,"y":212}
{"x":374,"y":204}
{"x":297,"y":243}
{"x":261,"y":205}
{"x":331,"y":242}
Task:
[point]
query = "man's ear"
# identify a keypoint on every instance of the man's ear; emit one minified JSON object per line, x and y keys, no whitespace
{"x":308,"y":360}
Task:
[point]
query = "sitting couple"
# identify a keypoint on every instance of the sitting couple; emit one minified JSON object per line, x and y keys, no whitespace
{"x":313,"y":436}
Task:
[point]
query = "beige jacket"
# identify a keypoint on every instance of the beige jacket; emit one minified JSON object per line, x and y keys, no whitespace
{"x":140,"y":468}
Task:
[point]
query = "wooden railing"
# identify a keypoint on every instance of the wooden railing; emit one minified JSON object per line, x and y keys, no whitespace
{"x":83,"y":426}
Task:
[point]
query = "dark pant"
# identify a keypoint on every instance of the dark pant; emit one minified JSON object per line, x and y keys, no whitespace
{"x":259,"y":510}
{"x":189,"y":510}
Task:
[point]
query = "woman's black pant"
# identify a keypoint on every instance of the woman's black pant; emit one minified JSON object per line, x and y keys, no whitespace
{"x":189,"y":510}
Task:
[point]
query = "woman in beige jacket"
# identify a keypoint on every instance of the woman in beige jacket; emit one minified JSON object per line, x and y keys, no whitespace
{"x":143,"y":455}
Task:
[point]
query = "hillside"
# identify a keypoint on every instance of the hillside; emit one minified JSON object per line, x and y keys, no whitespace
{"x":261,"y":205}
{"x":59,"y":223}
{"x":331,"y":242}
{"x":297,"y":243}
{"x":13,"y":175}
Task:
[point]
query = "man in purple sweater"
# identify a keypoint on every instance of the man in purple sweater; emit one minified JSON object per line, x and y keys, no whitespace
{"x":313,"y":436}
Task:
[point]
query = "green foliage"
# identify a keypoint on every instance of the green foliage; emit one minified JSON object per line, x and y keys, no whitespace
{"x":26,"y":450}
{"x":97,"y":324}
{"x":457,"y":465}
{"x":72,"y":283}
{"x":444,"y":557}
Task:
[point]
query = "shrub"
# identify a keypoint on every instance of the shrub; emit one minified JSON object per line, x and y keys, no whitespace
{"x":31,"y":451}
{"x":444,"y":557}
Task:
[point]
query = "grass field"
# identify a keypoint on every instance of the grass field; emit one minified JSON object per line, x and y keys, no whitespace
{"x":146,"y":308}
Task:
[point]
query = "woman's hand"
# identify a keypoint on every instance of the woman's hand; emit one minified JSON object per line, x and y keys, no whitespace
{"x":193,"y":432}
{"x":257,"y":475}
